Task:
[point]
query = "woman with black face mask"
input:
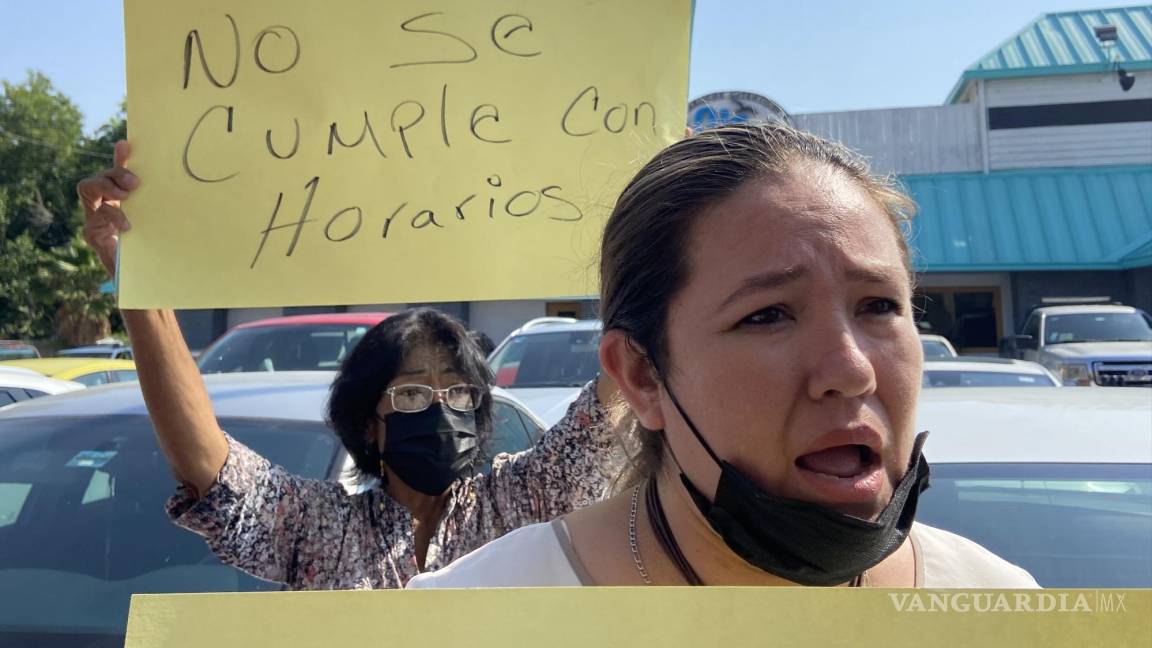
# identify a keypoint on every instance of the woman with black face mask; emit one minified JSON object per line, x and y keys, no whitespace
{"x":756,"y":297}
{"x":411,"y":404}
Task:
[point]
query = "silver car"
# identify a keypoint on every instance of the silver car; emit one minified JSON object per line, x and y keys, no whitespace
{"x":83,"y":486}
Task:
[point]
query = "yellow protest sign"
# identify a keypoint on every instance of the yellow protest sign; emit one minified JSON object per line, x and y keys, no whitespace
{"x":294,"y":152}
{"x":668,"y":617}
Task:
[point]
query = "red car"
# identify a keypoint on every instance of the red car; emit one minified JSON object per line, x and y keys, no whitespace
{"x":293,"y":343}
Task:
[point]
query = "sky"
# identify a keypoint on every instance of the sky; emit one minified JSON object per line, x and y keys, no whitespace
{"x":808,"y":56}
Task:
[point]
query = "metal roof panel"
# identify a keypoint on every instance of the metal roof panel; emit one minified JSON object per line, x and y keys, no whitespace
{"x":1083,"y":218}
{"x":1065,"y":43}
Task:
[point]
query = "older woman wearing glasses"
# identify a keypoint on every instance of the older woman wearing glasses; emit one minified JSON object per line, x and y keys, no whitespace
{"x":411,"y":404}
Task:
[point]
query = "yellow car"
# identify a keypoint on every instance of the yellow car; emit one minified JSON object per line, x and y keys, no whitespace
{"x":86,"y":371}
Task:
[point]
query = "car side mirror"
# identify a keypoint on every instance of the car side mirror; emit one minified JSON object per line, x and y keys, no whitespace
{"x":1025,"y":342}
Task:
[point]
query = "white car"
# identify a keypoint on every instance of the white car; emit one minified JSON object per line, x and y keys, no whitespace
{"x":1057,"y":481}
{"x":18,"y":384}
{"x":936,"y":347}
{"x":546,"y":362}
{"x":986,"y":372}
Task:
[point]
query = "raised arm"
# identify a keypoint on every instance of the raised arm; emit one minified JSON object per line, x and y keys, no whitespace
{"x":573,"y":465}
{"x":173,"y":390}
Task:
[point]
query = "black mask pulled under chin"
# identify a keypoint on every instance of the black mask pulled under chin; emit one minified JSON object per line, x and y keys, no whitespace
{"x":800,"y":541}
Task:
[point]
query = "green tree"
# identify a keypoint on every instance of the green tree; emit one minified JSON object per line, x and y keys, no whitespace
{"x":50,"y":279}
{"x":40,"y":137}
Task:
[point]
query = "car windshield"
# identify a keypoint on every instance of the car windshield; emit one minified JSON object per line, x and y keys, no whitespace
{"x":950,"y":378}
{"x":557,"y":359}
{"x":1097,"y":327}
{"x":82,"y":522}
{"x":935,"y":349}
{"x":1069,"y":525}
{"x":283,"y":348}
{"x":17,"y":353}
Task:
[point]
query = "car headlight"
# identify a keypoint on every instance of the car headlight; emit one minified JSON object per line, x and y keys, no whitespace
{"x":1075,"y":374}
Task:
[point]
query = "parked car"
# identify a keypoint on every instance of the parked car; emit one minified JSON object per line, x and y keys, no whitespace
{"x":15,"y":350}
{"x":82,"y":491}
{"x":1097,"y":344}
{"x":1057,"y":481}
{"x":292,"y":343}
{"x":87,"y":371}
{"x":986,"y":372}
{"x":547,"y":361}
{"x":936,"y":347}
{"x":115,"y":351}
{"x":18,"y":384}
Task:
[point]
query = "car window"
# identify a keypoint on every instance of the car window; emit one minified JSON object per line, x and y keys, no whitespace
{"x":124,"y":375}
{"x":82,"y":508}
{"x":1069,"y":525}
{"x":9,"y":353}
{"x":935,"y":349}
{"x":947,"y":378}
{"x":512,"y":432}
{"x":1032,"y":327}
{"x":1096,"y":327}
{"x":283,"y":348}
{"x":559,"y":359}
{"x":8,"y":396}
{"x":92,"y":379}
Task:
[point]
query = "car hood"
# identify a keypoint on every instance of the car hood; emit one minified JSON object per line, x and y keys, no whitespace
{"x":1103,"y":350}
{"x":549,"y":403}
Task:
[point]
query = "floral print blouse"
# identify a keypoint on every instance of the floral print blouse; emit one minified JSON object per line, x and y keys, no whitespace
{"x":311,"y":534}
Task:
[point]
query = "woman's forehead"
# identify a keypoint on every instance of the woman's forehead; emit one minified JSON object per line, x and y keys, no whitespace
{"x":769,"y":220}
{"x":428,"y":359}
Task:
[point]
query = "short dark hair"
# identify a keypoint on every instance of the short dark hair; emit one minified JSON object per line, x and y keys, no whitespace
{"x":487,"y":346}
{"x":375,"y":361}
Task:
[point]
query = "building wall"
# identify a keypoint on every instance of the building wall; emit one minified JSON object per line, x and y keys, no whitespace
{"x":932,"y":139}
{"x":1130,"y":287}
{"x":1140,"y":288}
{"x":238,"y":316}
{"x":1063,"y":88}
{"x":201,"y":326}
{"x":1068,"y":145}
{"x":499,"y":318}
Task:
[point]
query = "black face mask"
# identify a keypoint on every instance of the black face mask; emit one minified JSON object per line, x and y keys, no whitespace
{"x":431,"y":449}
{"x":800,"y":541}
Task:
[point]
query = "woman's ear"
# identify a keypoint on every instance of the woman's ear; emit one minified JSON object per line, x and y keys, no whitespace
{"x":633,"y":374}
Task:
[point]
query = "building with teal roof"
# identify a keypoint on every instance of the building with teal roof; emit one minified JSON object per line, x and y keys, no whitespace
{"x":1033,"y":179}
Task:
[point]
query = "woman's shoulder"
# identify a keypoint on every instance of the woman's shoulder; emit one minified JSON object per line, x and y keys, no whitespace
{"x":530,"y":556}
{"x":952,"y":561}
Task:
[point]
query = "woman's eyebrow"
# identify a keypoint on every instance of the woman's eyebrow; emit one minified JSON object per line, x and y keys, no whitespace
{"x":765,"y":281}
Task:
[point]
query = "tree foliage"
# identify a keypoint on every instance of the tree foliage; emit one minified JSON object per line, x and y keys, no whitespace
{"x":50,"y":280}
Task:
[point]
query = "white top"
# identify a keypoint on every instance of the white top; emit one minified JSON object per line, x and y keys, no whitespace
{"x":541,"y":555}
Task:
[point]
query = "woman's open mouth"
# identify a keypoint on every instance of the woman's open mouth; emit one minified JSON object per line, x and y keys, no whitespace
{"x":849,"y":474}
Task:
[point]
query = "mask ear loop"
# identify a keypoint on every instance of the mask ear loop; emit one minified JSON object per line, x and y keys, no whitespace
{"x":680,"y":410}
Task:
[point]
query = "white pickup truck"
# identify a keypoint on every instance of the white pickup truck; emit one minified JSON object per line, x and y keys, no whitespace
{"x":1104,"y":345}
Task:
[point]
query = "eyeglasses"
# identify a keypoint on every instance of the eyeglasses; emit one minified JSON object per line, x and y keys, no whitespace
{"x":417,"y":398}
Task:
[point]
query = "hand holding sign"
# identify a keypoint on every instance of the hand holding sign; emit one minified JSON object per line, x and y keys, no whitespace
{"x":348,"y":154}
{"x":101,"y":195}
